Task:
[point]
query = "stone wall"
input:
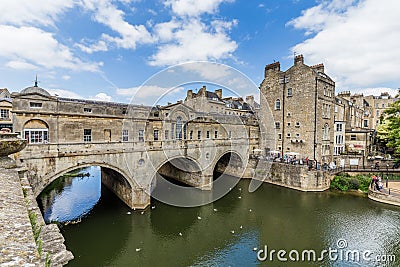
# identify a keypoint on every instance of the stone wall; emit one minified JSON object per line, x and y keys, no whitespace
{"x":384,"y":198}
{"x":18,"y":212}
{"x":292,"y":176}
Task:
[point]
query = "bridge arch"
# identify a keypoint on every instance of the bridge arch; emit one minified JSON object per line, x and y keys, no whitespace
{"x":182,"y":169}
{"x":113,"y":177}
{"x":230,"y":162}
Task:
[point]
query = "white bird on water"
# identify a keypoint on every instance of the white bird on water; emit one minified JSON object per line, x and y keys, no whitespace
{"x":129,"y":213}
{"x":241,"y":227}
{"x":250,"y":210}
{"x":198,"y":217}
{"x":232,"y":232}
{"x":215,"y":210}
{"x":239,"y":197}
{"x":142,"y":212}
{"x":138,"y":249}
{"x":254,"y":249}
{"x":180,"y":233}
{"x":153,"y":207}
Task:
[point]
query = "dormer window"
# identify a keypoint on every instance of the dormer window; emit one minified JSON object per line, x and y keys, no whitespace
{"x":87,"y":110}
{"x":35,"y":104}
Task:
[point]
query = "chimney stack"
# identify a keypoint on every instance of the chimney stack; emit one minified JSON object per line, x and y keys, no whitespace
{"x":218,"y":92}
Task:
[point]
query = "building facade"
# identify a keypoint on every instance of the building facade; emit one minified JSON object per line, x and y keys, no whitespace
{"x":42,"y":118}
{"x":5,"y":110}
{"x":302,"y":101}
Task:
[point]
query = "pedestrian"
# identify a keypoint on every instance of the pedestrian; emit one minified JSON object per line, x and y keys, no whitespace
{"x":380,"y":184}
{"x":373,"y":182}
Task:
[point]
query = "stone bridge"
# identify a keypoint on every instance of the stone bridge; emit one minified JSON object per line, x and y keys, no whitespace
{"x":132,"y":143}
{"x":129,"y":169}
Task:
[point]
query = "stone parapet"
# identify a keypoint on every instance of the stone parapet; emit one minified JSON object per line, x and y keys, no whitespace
{"x":17,"y":243}
{"x":384,"y":198}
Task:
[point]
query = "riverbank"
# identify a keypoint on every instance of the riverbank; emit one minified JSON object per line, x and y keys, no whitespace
{"x":389,"y":195}
{"x":361,"y":184}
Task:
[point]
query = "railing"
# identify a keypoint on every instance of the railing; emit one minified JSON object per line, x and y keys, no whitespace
{"x":393,"y":191}
{"x":371,"y":169}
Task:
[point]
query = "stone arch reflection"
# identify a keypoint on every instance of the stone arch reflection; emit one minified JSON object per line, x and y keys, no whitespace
{"x":74,"y":193}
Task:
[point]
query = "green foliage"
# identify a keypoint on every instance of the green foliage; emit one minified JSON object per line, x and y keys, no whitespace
{"x":345,"y":182}
{"x":389,"y":130}
{"x":48,"y":260}
{"x":36,"y":228}
{"x":40,"y":246}
{"x":354,"y":183}
{"x":340,"y":183}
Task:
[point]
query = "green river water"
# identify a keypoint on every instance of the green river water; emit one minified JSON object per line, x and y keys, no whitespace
{"x":229,"y":232}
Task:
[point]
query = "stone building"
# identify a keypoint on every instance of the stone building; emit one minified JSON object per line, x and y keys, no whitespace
{"x":302,"y":101}
{"x":42,"y":118}
{"x":213,"y":102}
{"x":360,"y":116}
{"x":5,"y":109}
{"x":340,"y":119}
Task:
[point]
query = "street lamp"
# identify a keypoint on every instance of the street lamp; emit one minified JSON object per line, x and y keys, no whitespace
{"x":387,"y":175}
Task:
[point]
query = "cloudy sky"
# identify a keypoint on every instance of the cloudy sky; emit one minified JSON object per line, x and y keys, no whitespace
{"x":106,"y":49}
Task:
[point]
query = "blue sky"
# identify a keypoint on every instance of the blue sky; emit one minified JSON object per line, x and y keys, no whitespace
{"x":106,"y":49}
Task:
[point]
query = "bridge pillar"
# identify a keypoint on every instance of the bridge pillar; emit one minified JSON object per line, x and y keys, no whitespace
{"x":133,"y":197}
{"x":206,"y":181}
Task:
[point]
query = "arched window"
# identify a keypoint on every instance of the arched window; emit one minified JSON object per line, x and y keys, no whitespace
{"x":36,"y":132}
{"x":179,"y":125}
{"x":325,"y":132}
{"x":277,"y":104}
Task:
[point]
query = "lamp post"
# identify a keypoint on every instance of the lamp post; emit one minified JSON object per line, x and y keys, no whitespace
{"x":387,"y":175}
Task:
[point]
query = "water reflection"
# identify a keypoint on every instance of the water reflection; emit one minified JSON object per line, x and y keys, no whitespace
{"x":226,"y":232}
{"x":71,"y":197}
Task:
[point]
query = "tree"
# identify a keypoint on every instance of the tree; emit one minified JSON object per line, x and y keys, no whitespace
{"x":389,"y":130}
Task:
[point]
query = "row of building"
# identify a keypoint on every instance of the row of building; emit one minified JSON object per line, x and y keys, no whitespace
{"x":315,"y":122}
{"x":309,"y":120}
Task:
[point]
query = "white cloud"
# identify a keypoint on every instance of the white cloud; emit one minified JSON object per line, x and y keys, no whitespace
{"x":64,"y":93}
{"x":20,"y":65}
{"x":21,"y":12}
{"x":102,"y":97}
{"x":194,"y":40}
{"x":166,"y":31}
{"x":358,"y":41}
{"x":376,"y":91}
{"x":147,"y":91}
{"x":66,"y":77}
{"x":106,"y":13}
{"x":194,"y":7}
{"x":41,"y":50}
{"x":91,"y":48}
{"x":209,"y":71}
